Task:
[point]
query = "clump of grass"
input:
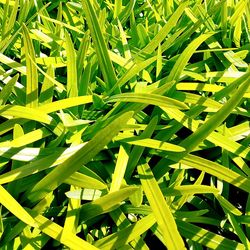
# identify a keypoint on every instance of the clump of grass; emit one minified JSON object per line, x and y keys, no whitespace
{"x":124,"y":124}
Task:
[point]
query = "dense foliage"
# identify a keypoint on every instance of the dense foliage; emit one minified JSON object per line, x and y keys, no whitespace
{"x":124,"y":124}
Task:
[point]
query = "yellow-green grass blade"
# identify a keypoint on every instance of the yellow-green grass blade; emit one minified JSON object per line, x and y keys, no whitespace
{"x":131,"y":72}
{"x":65,"y":103}
{"x":151,"y":143}
{"x":146,"y":98}
{"x":32,"y":75}
{"x":211,"y":124}
{"x":81,"y":157}
{"x":137,"y":151}
{"x":11,"y":20}
{"x":124,"y":236}
{"x":207,"y":238}
{"x":217,"y":170}
{"x":56,"y":232}
{"x":15,"y":208}
{"x":70,"y":27}
{"x":47,"y":90}
{"x":72,"y":216}
{"x":105,"y":203}
{"x":7,"y":89}
{"x":72,"y":83}
{"x":100,"y":45}
{"x":117,"y":8}
{"x":27,"y":138}
{"x":227,"y":205}
{"x":25,"y":112}
{"x":164,"y":31}
{"x":183,"y":59}
{"x":188,"y":190}
{"x":215,"y":137}
{"x":160,"y":208}
{"x":120,"y":168}
{"x":57,"y":84}
{"x":85,"y":181}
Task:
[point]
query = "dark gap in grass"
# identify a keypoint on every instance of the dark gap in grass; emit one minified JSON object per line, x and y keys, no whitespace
{"x":153,"y":242}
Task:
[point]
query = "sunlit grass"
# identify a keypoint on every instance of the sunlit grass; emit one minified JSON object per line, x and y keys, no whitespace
{"x":124,"y":124}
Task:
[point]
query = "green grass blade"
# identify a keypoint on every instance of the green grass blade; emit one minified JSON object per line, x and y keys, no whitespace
{"x":119,"y":239}
{"x":105,"y":203}
{"x":210,"y":125}
{"x":154,"y":43}
{"x":120,"y":168}
{"x":84,"y":155}
{"x":7,"y":89}
{"x":185,"y":56}
{"x":25,"y":112}
{"x":217,"y":170}
{"x":160,"y":208}
{"x":32,"y":75}
{"x":72,"y":86}
{"x":207,"y":238}
{"x":145,"y":98}
{"x":100,"y":45}
{"x":15,"y":208}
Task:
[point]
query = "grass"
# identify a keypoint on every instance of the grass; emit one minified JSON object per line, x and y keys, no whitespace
{"x":124,"y":124}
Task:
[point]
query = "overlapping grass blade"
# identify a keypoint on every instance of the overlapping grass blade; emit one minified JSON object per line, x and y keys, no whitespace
{"x":126,"y":235}
{"x":85,"y":154}
{"x":100,"y":45}
{"x":160,"y":208}
{"x":32,"y":75}
{"x":105,"y":203}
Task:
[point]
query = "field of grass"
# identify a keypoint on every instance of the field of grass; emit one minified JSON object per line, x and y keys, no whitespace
{"x":125,"y":124}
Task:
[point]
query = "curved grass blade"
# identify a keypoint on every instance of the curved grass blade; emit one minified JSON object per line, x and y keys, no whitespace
{"x":32,"y":75}
{"x":146,"y":98}
{"x":100,"y":45}
{"x":151,"y":143}
{"x":207,"y":238}
{"x":185,"y":56}
{"x":15,"y":208}
{"x":124,"y":236}
{"x":81,"y":157}
{"x":56,"y":232}
{"x":162,"y":34}
{"x":217,"y":170}
{"x":72,"y":86}
{"x":7,"y":89}
{"x":25,"y":112}
{"x":160,"y":208}
{"x":211,"y":124}
{"x":105,"y":203}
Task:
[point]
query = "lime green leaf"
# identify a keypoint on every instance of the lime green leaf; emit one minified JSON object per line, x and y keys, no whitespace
{"x":84,"y":155}
{"x":152,"y":99}
{"x":32,"y":75}
{"x":204,"y":237}
{"x":119,"y":239}
{"x":160,"y":208}
{"x":106,"y":203}
{"x":100,"y":45}
{"x":15,"y":208}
